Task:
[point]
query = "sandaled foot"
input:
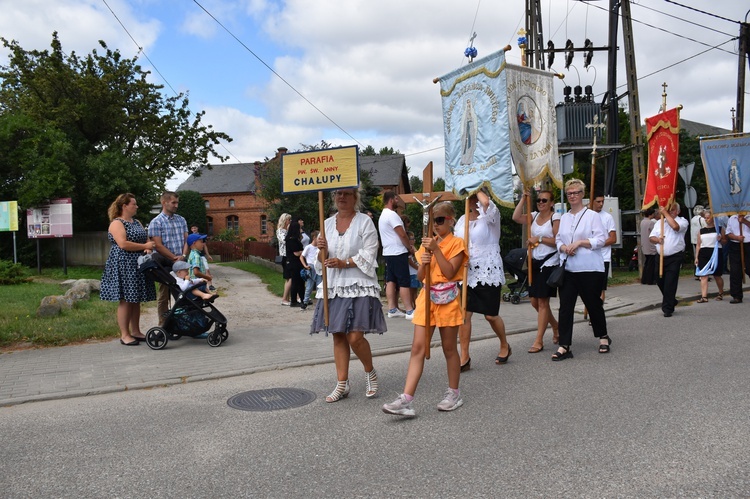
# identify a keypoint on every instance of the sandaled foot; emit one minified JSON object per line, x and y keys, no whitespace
{"x":604,"y":347}
{"x":536,"y":349}
{"x":703,"y":299}
{"x":466,"y":366}
{"x":371,"y":380}
{"x":719,"y":297}
{"x":340,"y":392}
{"x":502,"y":360}
{"x":562,"y":353}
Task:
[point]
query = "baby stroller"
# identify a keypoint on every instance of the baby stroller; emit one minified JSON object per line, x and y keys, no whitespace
{"x":189,"y":316}
{"x":515,"y":263}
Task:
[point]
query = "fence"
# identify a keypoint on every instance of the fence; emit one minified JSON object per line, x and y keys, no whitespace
{"x":241,"y":251}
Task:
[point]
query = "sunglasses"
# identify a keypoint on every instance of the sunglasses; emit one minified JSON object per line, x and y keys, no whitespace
{"x":574,"y":193}
{"x":441,"y":220}
{"x":542,"y":200}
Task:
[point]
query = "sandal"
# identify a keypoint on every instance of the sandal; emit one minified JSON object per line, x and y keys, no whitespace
{"x":534,"y":349}
{"x":567,"y":354}
{"x":502,"y":360}
{"x":341,"y":392}
{"x":719,"y":297}
{"x":702,"y":300}
{"x":372,"y":383}
{"x":602,"y":347}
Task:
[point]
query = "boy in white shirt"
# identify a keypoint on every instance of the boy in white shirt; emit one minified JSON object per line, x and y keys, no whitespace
{"x":181,"y":271}
{"x":308,"y":258}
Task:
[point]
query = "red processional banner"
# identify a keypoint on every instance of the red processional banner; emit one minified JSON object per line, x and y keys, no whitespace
{"x":663,"y":152}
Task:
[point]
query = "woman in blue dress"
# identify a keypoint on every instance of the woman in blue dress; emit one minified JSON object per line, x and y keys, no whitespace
{"x":122,"y":281}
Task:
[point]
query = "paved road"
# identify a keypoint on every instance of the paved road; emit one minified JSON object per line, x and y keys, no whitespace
{"x":33,"y":375}
{"x":663,"y":415}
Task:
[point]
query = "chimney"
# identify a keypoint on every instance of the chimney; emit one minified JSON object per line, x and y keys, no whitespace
{"x":280,"y":152}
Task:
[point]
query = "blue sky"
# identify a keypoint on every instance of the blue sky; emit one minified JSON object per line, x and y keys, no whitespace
{"x":368,"y":66}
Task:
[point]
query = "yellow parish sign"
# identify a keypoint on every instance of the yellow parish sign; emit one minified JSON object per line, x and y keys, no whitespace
{"x":321,"y":170}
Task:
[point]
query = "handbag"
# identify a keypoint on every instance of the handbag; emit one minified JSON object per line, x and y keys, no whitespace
{"x":279,"y":259}
{"x":443,"y":292}
{"x":557,"y":276}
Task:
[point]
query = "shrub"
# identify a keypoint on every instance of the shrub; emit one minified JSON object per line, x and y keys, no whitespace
{"x":12,"y":273}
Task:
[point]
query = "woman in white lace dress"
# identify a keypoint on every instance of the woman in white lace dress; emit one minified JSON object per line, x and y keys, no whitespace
{"x":486,"y":274}
{"x":354,"y":306}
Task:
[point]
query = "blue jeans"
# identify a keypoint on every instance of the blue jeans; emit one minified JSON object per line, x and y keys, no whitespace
{"x":311,"y":284}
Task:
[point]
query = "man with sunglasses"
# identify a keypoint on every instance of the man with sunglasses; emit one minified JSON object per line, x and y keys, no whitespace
{"x":396,"y":251}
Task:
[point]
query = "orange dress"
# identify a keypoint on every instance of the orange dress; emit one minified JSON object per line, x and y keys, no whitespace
{"x":441,"y":315}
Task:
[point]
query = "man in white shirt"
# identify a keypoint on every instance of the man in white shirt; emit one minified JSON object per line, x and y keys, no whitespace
{"x":611,"y":230}
{"x":396,"y":251}
{"x":738,"y":233}
{"x":673,"y":241}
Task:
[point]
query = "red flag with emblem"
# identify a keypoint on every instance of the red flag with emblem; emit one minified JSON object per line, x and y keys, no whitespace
{"x":663,"y":152}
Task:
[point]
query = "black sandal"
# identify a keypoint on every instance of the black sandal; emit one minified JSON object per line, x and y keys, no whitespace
{"x":602,"y":347}
{"x":567,"y":354}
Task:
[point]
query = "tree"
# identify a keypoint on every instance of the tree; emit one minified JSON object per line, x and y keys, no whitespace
{"x":193,"y":208}
{"x":90,"y":128}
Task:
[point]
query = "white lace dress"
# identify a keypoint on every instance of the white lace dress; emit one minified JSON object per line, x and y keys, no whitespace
{"x":485,"y":261}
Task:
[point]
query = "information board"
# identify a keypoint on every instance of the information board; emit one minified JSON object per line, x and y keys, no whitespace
{"x":8,"y":216}
{"x":52,"y":220}
{"x":322,"y":170}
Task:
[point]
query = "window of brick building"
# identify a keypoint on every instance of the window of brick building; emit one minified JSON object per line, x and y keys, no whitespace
{"x":233,"y":223}
{"x":209,"y":225}
{"x":208,"y":205}
{"x":231,"y":203}
{"x":263,"y":225}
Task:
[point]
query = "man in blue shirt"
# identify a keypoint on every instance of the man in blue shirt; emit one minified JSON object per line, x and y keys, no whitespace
{"x":169,"y":231}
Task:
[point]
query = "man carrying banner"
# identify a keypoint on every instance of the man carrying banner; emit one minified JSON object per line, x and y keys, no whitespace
{"x":672,"y":245}
{"x":738,"y":233}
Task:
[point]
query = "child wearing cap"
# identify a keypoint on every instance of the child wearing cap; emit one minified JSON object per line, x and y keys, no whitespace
{"x":196,"y":262}
{"x":181,"y":271}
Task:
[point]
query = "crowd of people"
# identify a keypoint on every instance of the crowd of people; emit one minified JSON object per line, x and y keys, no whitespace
{"x":569,"y":255}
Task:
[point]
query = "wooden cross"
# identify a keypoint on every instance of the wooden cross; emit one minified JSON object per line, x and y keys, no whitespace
{"x":595,"y":126}
{"x":427,"y":199}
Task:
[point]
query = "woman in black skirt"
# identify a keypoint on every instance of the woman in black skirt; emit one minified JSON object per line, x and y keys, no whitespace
{"x":545,"y":259}
{"x":709,"y":238}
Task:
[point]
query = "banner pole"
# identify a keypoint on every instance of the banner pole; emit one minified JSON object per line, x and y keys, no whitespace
{"x":465,"y":289}
{"x":661,"y":250}
{"x":529,"y":256}
{"x":742,"y":255}
{"x":324,"y":253}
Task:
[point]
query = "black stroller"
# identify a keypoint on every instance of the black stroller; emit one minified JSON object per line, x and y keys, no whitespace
{"x":189,"y":316}
{"x":515,"y":263}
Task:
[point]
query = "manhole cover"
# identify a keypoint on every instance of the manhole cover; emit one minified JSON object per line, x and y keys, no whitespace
{"x":272,"y":399}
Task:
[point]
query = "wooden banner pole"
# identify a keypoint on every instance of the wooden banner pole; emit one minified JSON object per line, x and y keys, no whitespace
{"x":322,"y":221}
{"x":465,"y":289}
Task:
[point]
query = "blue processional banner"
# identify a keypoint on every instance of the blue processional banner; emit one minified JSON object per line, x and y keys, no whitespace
{"x":726,"y":162}
{"x":475,"y":122}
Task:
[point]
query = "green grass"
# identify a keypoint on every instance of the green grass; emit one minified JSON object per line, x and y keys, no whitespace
{"x":273,"y":279}
{"x":19,"y":325}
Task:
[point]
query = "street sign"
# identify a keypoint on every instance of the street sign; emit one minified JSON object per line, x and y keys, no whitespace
{"x":691,"y":197}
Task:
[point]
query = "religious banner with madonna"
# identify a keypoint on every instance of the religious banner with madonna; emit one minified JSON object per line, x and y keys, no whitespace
{"x":475,"y":122}
{"x":533,"y":125}
{"x":726,"y":162}
{"x":663,"y":135}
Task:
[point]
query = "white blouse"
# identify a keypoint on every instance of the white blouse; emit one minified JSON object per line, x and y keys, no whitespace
{"x":586,"y":224}
{"x":541,"y":251}
{"x":485,"y":262}
{"x":360,"y":243}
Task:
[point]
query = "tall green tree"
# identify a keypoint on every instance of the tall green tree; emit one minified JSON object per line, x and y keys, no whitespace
{"x":91,"y":127}
{"x":193,"y":208}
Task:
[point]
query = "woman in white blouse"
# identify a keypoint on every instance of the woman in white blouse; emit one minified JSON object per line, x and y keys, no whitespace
{"x":579,"y":239}
{"x":544,"y":225}
{"x":708,"y":239}
{"x":486,"y":274}
{"x":354,"y":306}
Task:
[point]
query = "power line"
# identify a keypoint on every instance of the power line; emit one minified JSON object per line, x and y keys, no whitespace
{"x":276,"y":74}
{"x":140,"y":50}
{"x":702,"y":12}
{"x":683,"y":20}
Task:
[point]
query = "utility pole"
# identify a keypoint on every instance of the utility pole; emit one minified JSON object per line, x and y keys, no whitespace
{"x":744,"y":54}
{"x":636,"y":136}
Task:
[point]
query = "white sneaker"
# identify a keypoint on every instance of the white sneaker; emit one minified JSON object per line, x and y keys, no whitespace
{"x":395,"y":313}
{"x":399,"y":407}
{"x":451,"y":401}
{"x":409,"y":315}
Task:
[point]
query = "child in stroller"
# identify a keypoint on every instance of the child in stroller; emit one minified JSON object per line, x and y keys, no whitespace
{"x":191,"y":315}
{"x":516,"y":264}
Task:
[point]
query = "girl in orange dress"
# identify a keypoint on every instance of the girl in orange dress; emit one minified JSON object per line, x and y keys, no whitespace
{"x":446,"y":256}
